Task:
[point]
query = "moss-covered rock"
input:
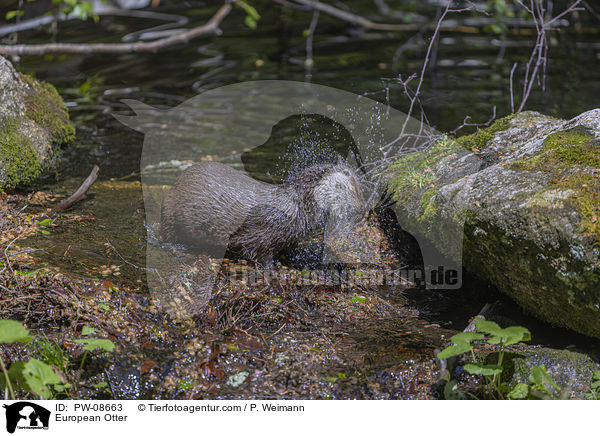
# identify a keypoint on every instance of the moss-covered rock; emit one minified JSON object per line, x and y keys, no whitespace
{"x":33,"y":122}
{"x":481,"y":138}
{"x":44,"y":105}
{"x":571,"y":371}
{"x":525,"y":193}
{"x":20,"y":163}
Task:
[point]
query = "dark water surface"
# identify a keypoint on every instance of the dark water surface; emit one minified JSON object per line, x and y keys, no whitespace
{"x":469,"y":75}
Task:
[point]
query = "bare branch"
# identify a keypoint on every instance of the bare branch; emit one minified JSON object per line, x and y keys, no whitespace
{"x":211,"y":27}
{"x":308,"y":63}
{"x":512,"y":94}
{"x":353,"y":18}
{"x":466,"y":122}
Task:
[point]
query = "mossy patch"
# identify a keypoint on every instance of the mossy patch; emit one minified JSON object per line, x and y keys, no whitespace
{"x":563,"y":150}
{"x":44,"y":105}
{"x":586,"y":200}
{"x":428,"y":204}
{"x":566,"y":150}
{"x":480,"y":139}
{"x":18,"y":159}
{"x":415,"y":172}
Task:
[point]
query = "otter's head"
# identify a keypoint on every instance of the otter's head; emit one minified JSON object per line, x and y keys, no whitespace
{"x":339,"y":194}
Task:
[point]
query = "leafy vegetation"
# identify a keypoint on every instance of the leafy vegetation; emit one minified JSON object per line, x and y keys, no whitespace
{"x":80,"y":9}
{"x":93,"y":344}
{"x":540,"y":383}
{"x":594,"y":393}
{"x":252,"y":15}
{"x":44,"y":377}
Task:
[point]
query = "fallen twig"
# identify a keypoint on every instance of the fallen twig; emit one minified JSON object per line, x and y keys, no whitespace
{"x":79,"y":194}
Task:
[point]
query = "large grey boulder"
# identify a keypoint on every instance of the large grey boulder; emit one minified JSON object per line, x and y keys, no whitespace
{"x":33,"y":121}
{"x":528,"y":191}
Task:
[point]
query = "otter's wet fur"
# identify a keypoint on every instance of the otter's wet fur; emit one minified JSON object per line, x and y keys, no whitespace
{"x":214,"y":205}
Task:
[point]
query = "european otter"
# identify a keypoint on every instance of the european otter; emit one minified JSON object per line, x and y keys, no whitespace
{"x":214,"y":205}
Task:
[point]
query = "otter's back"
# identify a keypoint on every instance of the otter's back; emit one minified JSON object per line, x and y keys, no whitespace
{"x":208,"y":203}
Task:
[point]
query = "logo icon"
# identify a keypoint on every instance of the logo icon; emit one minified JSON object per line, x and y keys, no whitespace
{"x":26,"y":415}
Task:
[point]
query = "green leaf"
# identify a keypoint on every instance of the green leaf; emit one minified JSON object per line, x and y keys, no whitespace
{"x":15,"y":374}
{"x":250,"y":22}
{"x":489,"y":327}
{"x":61,"y":387}
{"x":83,"y":10}
{"x":358,"y":299}
{"x":541,"y":379}
{"x":45,"y":222}
{"x":251,"y":11}
{"x":91,"y":344}
{"x":38,"y":376}
{"x":12,"y":14}
{"x":87,"y":330}
{"x":507,"y":336}
{"x":252,"y":15}
{"x":516,"y":334}
{"x":466,"y":337}
{"x":519,"y":392}
{"x":496,"y":28}
{"x":451,"y":391}
{"x":462,"y":345}
{"x":101,"y":385}
{"x":480,"y":369}
{"x":454,"y":350}
{"x":13,"y":331}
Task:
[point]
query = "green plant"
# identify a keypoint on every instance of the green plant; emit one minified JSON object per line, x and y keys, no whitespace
{"x":34,"y":375}
{"x":358,"y":299}
{"x":252,"y":15}
{"x":52,"y":352}
{"x":540,"y":385}
{"x":81,"y":9}
{"x":494,"y":335}
{"x":92,"y":344}
{"x":594,"y":393}
{"x":500,"y":10}
{"x":12,"y":14}
{"x":88,"y":92}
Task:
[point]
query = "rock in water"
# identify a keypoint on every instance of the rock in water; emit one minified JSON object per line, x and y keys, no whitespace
{"x":33,"y":120}
{"x":528,"y":190}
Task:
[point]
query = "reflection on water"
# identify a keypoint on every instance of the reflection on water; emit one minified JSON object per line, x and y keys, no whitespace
{"x":470,"y":73}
